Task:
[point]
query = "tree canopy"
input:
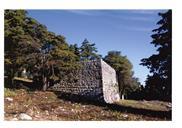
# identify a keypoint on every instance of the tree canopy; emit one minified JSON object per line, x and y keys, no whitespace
{"x":48,"y":57}
{"x":123,"y":69}
{"x":24,"y":38}
{"x":88,"y":51}
{"x":159,"y":82}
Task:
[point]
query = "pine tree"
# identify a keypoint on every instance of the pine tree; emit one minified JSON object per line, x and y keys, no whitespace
{"x":123,"y":69}
{"x":88,"y":51}
{"x":160,"y":64}
{"x":24,"y":39}
{"x":76,"y":50}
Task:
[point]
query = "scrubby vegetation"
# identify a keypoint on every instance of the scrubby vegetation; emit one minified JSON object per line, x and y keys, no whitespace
{"x":46,"y":106}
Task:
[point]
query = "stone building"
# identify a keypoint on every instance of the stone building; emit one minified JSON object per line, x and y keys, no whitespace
{"x":95,"y":80}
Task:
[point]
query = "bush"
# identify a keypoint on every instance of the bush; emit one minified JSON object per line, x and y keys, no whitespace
{"x":9,"y":92}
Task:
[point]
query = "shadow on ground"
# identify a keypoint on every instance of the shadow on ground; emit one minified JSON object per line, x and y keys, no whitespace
{"x":167,"y":115}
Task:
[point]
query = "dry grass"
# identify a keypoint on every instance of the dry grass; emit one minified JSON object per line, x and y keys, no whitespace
{"x":148,"y":105}
{"x":23,"y":79}
{"x":46,"y":106}
{"x":9,"y":93}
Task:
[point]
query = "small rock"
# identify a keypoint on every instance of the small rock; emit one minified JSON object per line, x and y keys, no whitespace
{"x":37,"y":116}
{"x":24,"y":116}
{"x":30,"y":112}
{"x":14,"y":116}
{"x":169,"y":105}
{"x":72,"y":110}
{"x":60,"y":107}
{"x":14,"y":119}
{"x":9,"y":99}
{"x":47,"y":112}
{"x":125,"y":116}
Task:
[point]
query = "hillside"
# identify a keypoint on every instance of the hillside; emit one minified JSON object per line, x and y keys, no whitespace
{"x":40,"y":105}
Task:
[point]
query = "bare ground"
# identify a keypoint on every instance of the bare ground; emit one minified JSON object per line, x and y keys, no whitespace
{"x":46,"y":106}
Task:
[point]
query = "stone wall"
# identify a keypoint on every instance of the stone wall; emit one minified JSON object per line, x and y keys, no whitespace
{"x":109,"y":83}
{"x":95,"y":80}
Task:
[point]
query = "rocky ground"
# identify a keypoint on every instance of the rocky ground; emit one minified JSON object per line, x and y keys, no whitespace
{"x":38,"y":105}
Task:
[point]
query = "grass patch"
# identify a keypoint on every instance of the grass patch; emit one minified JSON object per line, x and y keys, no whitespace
{"x":148,"y":105}
{"x":42,"y":105}
{"x":9,"y":92}
{"x":23,"y":79}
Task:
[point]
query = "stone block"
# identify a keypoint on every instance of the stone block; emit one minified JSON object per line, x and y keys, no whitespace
{"x":97,"y":81}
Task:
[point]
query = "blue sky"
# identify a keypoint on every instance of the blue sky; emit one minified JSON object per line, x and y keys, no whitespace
{"x":127,"y":31}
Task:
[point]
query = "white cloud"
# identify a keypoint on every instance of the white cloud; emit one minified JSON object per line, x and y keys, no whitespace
{"x":134,"y":28}
{"x":118,"y":15}
{"x":149,"y":12}
{"x":139,"y":29}
{"x":84,"y":12}
{"x":138,"y":18}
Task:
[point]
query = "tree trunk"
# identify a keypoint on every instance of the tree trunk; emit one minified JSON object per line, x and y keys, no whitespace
{"x":122,"y":96}
{"x":44,"y":88}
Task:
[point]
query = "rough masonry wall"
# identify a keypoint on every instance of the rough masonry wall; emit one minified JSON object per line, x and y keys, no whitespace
{"x":96,"y":80}
{"x":86,"y":82}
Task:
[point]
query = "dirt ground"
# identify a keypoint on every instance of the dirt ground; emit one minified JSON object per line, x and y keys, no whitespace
{"x":40,"y":105}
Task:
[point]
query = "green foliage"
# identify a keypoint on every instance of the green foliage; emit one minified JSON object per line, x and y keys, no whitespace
{"x":24,"y":37}
{"x":124,"y":72}
{"x":76,"y":50}
{"x":9,"y":92}
{"x":88,"y":51}
{"x":159,"y":83}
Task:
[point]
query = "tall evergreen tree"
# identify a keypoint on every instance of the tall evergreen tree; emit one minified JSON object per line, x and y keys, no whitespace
{"x":76,"y":50}
{"x":88,"y":51}
{"x":159,"y":84}
{"x":17,"y":41}
{"x":24,"y":38}
{"x":123,"y":69}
